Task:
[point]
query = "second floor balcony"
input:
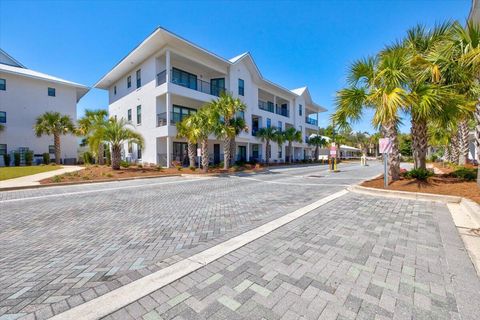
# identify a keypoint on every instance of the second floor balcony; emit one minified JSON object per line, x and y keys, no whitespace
{"x":182,"y":78}
{"x":312,"y":121}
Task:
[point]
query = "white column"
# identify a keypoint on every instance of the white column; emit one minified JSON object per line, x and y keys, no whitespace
{"x":274,"y":106}
{"x":167,"y":65}
{"x":168,"y":106}
{"x":169,"y":160}
{"x":248,"y":151}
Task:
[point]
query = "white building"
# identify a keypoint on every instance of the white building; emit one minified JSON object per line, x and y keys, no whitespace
{"x":26,"y":94}
{"x":165,"y":78}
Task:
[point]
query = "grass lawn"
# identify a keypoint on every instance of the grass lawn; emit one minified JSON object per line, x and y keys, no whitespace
{"x":15,"y":172}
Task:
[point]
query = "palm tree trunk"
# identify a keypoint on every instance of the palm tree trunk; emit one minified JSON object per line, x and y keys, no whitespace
{"x":394,"y":165}
{"x":477,"y":138}
{"x":100,"y":159}
{"x":446,"y":154}
{"x":419,"y":143}
{"x":454,"y":149}
{"x":290,"y":152}
{"x":267,"y":151}
{"x":191,"y":154}
{"x":58,"y":151}
{"x":205,"y":158}
{"x":116,"y":155}
{"x":233,"y":150}
{"x":462,"y":142}
{"x":226,"y":152}
{"x":316,"y":152}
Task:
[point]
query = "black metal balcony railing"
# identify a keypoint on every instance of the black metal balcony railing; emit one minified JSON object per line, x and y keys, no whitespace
{"x":311,"y":121}
{"x":268,"y":106}
{"x":174,"y":118}
{"x":197,"y":85}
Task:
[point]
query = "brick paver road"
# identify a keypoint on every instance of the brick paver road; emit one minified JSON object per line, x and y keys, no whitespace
{"x":63,"y":246}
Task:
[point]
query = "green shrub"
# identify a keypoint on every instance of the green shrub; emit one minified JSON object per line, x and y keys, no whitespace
{"x":466,"y":174}
{"x":6,"y":159}
{"x":56,"y":179}
{"x":87,"y":157}
{"x":109,"y":175}
{"x":193,"y":168}
{"x":86,"y":178}
{"x":140,"y":166}
{"x":179,"y":168}
{"x":159,"y":168}
{"x":419,"y":174}
{"x":46,"y":158}
{"x":28,"y":158}
{"x":16,"y":159}
{"x":124,"y":164}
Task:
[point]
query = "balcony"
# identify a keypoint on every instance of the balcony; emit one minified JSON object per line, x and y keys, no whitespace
{"x":191,"y":82}
{"x":311,"y":121}
{"x":174,"y":118}
{"x":266,"y":106}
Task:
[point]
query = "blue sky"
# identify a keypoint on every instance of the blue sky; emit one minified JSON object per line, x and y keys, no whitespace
{"x":294,"y":43}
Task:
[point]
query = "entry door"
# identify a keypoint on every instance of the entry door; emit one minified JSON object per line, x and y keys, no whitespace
{"x":180,"y":152}
{"x":216,"y":153}
{"x":242,"y":153}
{"x":217,"y":86}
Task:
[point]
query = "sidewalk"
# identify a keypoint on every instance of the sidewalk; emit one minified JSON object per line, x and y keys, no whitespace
{"x":34,"y":179}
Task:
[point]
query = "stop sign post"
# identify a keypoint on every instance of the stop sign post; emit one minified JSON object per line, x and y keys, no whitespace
{"x":385,"y":146}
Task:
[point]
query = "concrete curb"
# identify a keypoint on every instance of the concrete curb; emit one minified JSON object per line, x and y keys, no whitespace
{"x":472,"y":208}
{"x":61,"y":184}
{"x":405,"y":194}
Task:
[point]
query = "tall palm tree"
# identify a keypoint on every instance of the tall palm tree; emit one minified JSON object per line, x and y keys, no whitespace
{"x":267,"y":135}
{"x":279,"y":138}
{"x":319,"y":142}
{"x":202,"y":124}
{"x":116,"y":134}
{"x":227,"y":108}
{"x":184,"y":131}
{"x":376,"y":83}
{"x":56,"y":124}
{"x":92,"y":126}
{"x":240,"y":125}
{"x":292,"y":135}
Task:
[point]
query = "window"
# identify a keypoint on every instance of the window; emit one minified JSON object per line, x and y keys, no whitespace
{"x":139,"y":78}
{"x":3,"y":84}
{"x":280,"y":125}
{"x":139,"y":152}
{"x":269,"y":122}
{"x":51,"y":92}
{"x":114,"y":89}
{"x":115,"y":117}
{"x":241,"y":87}
{"x":51,"y":149}
{"x":3,"y":149}
{"x":184,"y":79}
{"x":129,"y":81}
{"x":179,"y":113}
{"x":129,"y":115}
{"x":3,"y":117}
{"x":130,"y":147}
{"x":280,"y":153}
{"x":299,"y":109}
{"x":139,"y":114}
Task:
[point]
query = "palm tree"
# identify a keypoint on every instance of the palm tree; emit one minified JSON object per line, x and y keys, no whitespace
{"x":318,"y":141}
{"x":267,"y":135}
{"x":56,"y":124}
{"x":279,"y":138}
{"x":184,"y":131}
{"x":202,"y":124}
{"x":292,"y":135}
{"x":240,"y":125}
{"x":116,"y":134}
{"x":376,"y":83}
{"x":227,"y":107}
{"x":92,"y":126}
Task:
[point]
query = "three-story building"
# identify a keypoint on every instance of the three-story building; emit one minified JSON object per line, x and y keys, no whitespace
{"x":166,"y":78}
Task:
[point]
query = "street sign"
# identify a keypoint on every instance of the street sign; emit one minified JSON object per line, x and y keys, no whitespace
{"x":199,"y":152}
{"x":385,"y":145}
{"x":333,"y":151}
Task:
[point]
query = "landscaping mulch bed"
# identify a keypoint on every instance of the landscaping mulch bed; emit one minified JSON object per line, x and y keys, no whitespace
{"x":96,"y":172}
{"x":438,"y":184}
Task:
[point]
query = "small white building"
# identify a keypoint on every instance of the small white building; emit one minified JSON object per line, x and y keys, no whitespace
{"x":26,"y":94}
{"x":472,"y":148}
{"x":166,"y":78}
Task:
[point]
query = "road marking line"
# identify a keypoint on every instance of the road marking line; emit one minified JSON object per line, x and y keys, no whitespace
{"x":101,"y":190}
{"x":295,"y":184}
{"x":123,"y":296}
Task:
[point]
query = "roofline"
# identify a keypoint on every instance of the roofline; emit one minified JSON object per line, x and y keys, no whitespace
{"x":14,"y":60}
{"x":66,"y":83}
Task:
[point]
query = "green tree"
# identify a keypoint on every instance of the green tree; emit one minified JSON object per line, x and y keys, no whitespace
{"x":56,"y":124}
{"x":319,"y":142}
{"x":267,"y":135}
{"x":92,"y":127}
{"x":240,"y":125}
{"x":405,"y":144}
{"x":279,"y":138}
{"x":184,"y":131}
{"x":376,"y":83}
{"x":292,"y":135}
{"x":116,"y":134}
{"x":227,"y":107}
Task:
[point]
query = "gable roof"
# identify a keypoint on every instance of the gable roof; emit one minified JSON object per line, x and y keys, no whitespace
{"x":303,"y":91}
{"x":7,"y":59}
{"x":22,"y":71}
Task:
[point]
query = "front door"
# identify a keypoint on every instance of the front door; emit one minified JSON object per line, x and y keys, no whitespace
{"x":180,"y":153}
{"x":242,"y":153}
{"x":217,"y":86}
{"x":216,"y":153}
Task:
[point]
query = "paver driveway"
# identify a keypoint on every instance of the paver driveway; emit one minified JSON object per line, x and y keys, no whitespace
{"x":65,"y":245}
